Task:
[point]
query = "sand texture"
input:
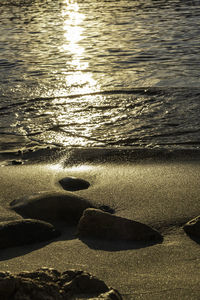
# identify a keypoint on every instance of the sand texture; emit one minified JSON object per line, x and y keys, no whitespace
{"x":161,"y":194}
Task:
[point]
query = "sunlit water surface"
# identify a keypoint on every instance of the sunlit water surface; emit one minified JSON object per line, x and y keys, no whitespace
{"x":99,"y":73}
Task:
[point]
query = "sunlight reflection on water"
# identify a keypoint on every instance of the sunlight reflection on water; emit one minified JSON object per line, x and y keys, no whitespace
{"x":73,"y":26}
{"x":55,"y":53}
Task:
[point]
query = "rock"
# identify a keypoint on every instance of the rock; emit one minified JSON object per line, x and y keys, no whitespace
{"x":34,"y":290}
{"x":16,"y":162}
{"x":74,"y":184}
{"x":193,"y":227}
{"x":7,"y":285}
{"x":107,"y":209}
{"x":52,"y":206}
{"x":110,"y":295}
{"x":25,"y":231}
{"x":98,"y":224}
{"x":50,"y":284}
{"x":84,"y":283}
{"x":42,"y":274}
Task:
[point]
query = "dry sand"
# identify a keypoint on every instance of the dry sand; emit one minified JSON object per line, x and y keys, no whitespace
{"x":163,"y":194}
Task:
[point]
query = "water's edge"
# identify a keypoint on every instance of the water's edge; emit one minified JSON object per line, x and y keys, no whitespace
{"x":96,"y":155}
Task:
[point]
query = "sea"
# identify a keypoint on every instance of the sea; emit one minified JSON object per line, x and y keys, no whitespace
{"x":108,"y":74}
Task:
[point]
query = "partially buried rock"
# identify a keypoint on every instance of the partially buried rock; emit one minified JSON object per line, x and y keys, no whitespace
{"x":16,"y":162}
{"x":25,"y":231}
{"x":52,"y":206}
{"x":74,"y":184}
{"x":193,"y":227}
{"x":50,"y":284}
{"x":98,"y":224}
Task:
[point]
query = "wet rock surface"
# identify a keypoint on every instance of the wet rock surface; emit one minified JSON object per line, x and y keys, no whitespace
{"x":47,"y":283}
{"x":74,"y":184}
{"x":193,"y":227}
{"x":49,"y":206}
{"x":96,"y":223}
{"x":25,"y":231}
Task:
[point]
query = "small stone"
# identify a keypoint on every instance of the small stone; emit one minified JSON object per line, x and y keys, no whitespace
{"x":74,"y":184}
{"x":49,"y":206}
{"x":16,"y":162}
{"x":25,"y":231}
{"x":98,"y":224}
{"x":193,"y":227}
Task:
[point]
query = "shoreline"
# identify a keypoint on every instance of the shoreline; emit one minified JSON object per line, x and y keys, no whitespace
{"x":77,"y":155}
{"x":163,"y":194}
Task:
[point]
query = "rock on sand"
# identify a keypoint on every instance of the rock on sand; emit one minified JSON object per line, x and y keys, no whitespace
{"x":52,"y":206}
{"x":98,"y":224}
{"x":193,"y":227}
{"x":74,"y":184}
{"x":25,"y":231}
{"x":50,"y":284}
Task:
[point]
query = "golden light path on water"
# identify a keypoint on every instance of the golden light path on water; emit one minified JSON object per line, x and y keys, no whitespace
{"x":80,"y":80}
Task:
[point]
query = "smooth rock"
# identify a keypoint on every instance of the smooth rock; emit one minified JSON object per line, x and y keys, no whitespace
{"x":50,"y":284}
{"x":74,"y":184}
{"x":52,"y":206}
{"x":193,"y":227}
{"x":25,"y":231}
{"x":99,"y":224}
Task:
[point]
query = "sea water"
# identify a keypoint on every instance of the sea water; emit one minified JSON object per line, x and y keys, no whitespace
{"x":99,"y":73}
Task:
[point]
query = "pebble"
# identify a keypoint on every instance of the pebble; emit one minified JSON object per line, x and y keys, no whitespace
{"x":74,"y":184}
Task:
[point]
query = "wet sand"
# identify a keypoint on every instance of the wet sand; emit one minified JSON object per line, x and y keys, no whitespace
{"x":164,"y":194}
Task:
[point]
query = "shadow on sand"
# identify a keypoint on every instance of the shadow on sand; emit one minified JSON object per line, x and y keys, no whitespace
{"x":194,"y":238}
{"x":68,"y":233}
{"x":97,"y":244}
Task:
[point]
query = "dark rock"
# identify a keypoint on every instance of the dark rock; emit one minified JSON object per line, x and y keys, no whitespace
{"x":74,"y":184}
{"x":84,"y":283}
{"x":7,"y":287}
{"x":68,"y":276}
{"x":107,"y":209}
{"x":48,"y":284}
{"x":110,"y":295}
{"x":52,"y":206}
{"x":25,"y":231}
{"x":98,"y":224}
{"x":43,"y":274}
{"x":193,"y":227}
{"x":34,"y":290}
{"x":16,"y":162}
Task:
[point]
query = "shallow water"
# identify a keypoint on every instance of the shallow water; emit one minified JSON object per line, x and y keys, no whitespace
{"x":99,"y":73}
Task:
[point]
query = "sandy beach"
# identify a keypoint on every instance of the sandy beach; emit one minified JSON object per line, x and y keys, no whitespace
{"x":161,"y":193}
